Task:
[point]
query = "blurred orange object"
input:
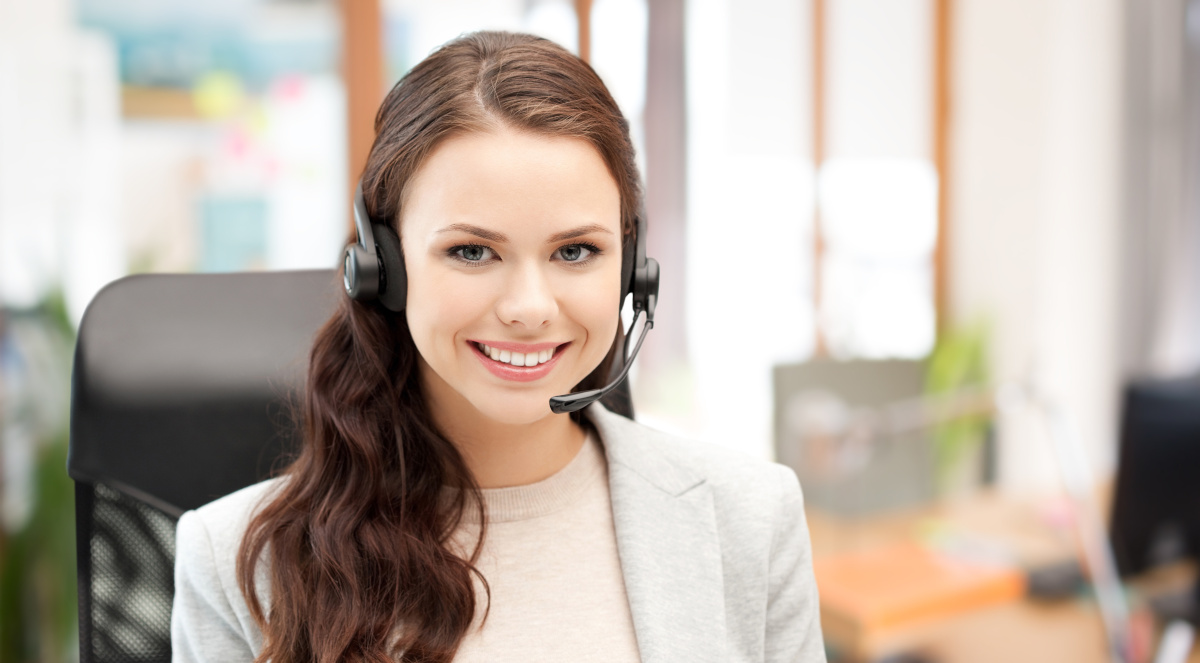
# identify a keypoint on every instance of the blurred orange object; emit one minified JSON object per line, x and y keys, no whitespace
{"x":865,"y":593}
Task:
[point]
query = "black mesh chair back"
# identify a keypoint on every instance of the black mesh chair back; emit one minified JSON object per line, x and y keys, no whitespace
{"x":183,"y":392}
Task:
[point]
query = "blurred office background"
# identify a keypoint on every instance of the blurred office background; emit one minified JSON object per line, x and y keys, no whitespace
{"x":854,"y":202}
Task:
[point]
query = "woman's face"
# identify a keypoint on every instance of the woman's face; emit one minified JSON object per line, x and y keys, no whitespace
{"x":512,"y":241}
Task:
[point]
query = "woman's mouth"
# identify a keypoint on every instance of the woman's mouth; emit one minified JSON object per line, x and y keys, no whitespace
{"x":529,"y":359}
{"x":518,"y":366}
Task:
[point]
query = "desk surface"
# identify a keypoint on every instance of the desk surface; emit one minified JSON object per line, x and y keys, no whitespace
{"x":1025,"y":630}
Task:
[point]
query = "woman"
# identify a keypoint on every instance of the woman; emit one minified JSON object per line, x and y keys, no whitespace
{"x":438,"y":509}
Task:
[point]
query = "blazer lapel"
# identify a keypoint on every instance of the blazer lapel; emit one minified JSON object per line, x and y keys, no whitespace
{"x":668,"y":544}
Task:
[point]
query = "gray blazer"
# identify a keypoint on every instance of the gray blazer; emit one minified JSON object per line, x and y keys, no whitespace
{"x":713,"y":547}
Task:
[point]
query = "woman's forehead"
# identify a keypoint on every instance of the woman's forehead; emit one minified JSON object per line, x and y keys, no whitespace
{"x":512,"y":183}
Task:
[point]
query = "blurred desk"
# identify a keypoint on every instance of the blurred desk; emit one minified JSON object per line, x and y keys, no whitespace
{"x":1026,"y":532}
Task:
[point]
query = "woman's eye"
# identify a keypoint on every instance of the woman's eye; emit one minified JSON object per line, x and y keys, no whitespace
{"x":576,"y":252}
{"x":473,"y":252}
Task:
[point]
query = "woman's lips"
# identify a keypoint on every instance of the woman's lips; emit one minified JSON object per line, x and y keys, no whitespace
{"x":518,"y":373}
{"x":518,"y":347}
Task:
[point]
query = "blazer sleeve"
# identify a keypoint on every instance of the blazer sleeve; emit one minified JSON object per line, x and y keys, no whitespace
{"x":204,"y":625}
{"x":793,"y":628}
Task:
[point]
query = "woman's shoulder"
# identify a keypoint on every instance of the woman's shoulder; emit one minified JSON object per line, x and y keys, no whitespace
{"x":676,"y":463}
{"x":225,"y":519}
{"x":719,"y":465}
{"x":209,"y":617}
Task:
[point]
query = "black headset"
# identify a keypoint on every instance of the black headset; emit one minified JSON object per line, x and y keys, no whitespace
{"x":373,"y":269}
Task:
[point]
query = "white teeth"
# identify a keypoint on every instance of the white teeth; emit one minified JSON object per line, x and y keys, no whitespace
{"x":517,"y":358}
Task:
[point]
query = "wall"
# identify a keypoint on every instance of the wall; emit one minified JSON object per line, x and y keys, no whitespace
{"x":59,"y":132}
{"x":1035,"y":210}
{"x":749,"y":219}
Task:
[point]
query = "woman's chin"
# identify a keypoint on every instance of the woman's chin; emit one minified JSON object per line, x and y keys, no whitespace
{"x":516,"y":409}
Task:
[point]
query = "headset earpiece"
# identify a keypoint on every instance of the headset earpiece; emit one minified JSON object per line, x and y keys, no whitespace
{"x":639,"y":274}
{"x":628,"y":253}
{"x":394,"y":291}
{"x":360,"y":273}
{"x":645,"y":288}
{"x":373,"y":267}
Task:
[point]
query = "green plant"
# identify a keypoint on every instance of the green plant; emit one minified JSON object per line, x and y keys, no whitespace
{"x":38,"y":612}
{"x":959,"y":362}
{"x":38,"y":600}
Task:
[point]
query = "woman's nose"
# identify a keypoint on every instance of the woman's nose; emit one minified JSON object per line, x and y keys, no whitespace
{"x":528,"y":301}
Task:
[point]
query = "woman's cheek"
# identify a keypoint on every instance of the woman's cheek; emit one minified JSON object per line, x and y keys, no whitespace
{"x":602,"y":315}
{"x":463,"y":301}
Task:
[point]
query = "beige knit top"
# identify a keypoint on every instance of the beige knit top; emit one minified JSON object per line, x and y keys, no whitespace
{"x":550,"y":560}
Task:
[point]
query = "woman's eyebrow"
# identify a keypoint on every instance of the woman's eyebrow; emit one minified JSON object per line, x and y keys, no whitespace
{"x":493,"y":236}
{"x":578,"y":232}
{"x":490,"y":235}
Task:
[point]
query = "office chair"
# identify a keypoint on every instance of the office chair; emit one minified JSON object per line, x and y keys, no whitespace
{"x":182,"y":393}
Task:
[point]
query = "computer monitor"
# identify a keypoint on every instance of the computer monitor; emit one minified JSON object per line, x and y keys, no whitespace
{"x":1156,"y":507}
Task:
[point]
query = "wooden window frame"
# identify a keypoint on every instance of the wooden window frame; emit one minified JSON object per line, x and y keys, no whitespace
{"x":942,"y":33}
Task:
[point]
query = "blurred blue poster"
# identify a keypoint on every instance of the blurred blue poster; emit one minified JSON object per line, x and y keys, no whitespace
{"x":233,"y":233}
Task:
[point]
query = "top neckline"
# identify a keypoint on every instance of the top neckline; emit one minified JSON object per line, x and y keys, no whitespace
{"x":551,"y":494}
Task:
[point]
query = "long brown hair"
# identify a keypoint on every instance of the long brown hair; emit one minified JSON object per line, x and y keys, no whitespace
{"x":357,"y":538}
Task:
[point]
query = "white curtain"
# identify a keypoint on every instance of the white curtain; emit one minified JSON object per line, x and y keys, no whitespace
{"x":1161,"y":235}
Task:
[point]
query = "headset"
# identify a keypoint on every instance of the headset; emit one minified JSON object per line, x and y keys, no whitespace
{"x":373,"y":269}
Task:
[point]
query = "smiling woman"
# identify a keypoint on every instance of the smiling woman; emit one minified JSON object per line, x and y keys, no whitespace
{"x":439,"y":509}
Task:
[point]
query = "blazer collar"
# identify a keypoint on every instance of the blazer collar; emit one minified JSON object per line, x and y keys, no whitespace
{"x":668,"y":543}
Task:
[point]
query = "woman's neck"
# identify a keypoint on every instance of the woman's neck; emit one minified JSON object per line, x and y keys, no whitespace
{"x":500,"y":455}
